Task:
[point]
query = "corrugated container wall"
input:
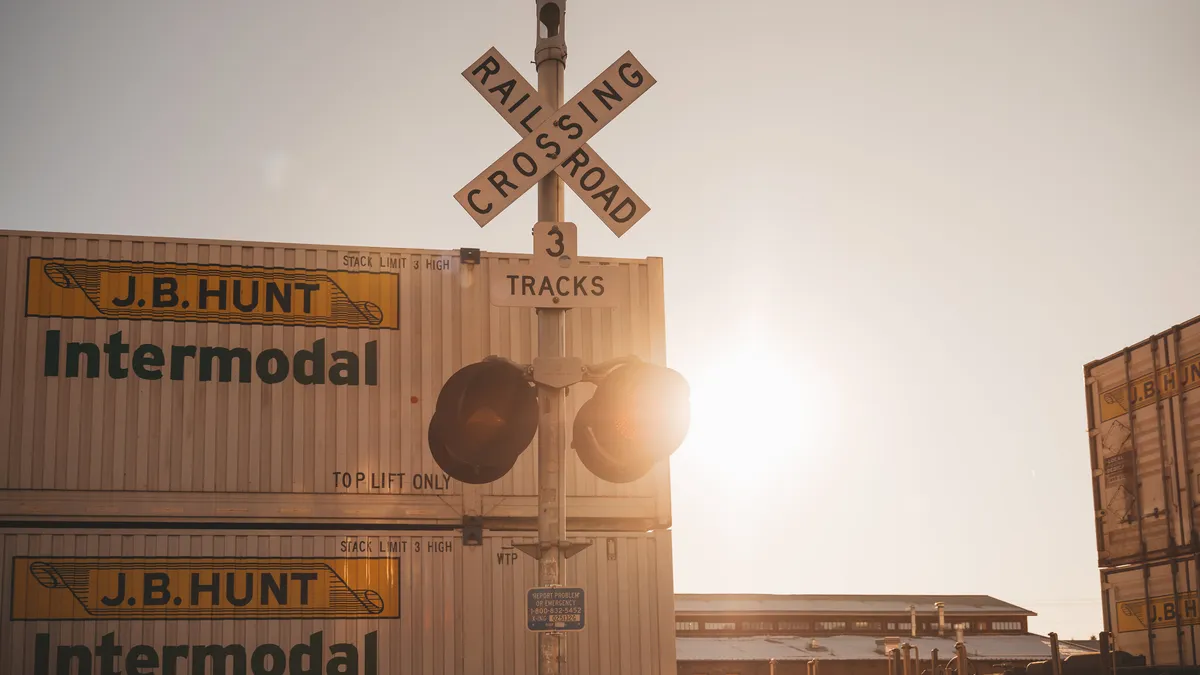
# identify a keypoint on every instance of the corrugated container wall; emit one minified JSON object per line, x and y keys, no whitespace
{"x":1144,"y":428}
{"x":1153,"y":610}
{"x":1144,"y":431}
{"x":372,"y":603}
{"x":200,"y":380}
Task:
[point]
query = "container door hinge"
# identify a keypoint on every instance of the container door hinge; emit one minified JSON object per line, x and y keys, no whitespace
{"x":472,"y":531}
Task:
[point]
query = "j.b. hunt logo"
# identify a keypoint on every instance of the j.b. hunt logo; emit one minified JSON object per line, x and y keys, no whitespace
{"x":1158,"y":612}
{"x":111,"y":588}
{"x":61,"y":588}
{"x":158,"y":291}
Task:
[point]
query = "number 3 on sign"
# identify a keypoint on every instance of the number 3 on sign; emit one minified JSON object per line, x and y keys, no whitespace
{"x":554,"y":241}
{"x":557,"y":235}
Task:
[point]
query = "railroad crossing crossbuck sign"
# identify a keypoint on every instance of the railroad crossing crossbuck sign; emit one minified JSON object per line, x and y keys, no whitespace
{"x":555,"y":141}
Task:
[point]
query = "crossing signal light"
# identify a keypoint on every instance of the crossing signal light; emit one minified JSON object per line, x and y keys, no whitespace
{"x":485,"y":417}
{"x":638,"y":416}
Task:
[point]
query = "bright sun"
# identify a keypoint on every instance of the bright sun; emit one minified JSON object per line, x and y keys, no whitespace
{"x":757,"y":400}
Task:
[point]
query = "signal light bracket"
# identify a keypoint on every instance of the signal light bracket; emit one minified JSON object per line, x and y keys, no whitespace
{"x":558,"y":372}
{"x":534,"y":549}
{"x":597,"y":373}
{"x":526,"y":369}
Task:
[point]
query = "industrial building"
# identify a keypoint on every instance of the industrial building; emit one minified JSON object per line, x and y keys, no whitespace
{"x":848,"y":634}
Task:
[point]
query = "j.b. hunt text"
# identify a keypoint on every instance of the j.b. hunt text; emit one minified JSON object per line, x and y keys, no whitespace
{"x":149,"y":362}
{"x":273,"y":589}
{"x":276,"y":296}
{"x":209,"y":293}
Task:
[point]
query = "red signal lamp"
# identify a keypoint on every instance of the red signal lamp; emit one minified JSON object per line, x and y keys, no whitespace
{"x":485,"y":417}
{"x":638,"y":416}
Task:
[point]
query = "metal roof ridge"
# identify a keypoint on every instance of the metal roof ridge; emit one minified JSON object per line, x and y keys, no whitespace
{"x":852,"y":595}
{"x":980,"y":599}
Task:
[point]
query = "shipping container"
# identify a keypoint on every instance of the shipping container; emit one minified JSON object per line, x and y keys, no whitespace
{"x":175,"y":379}
{"x":368,"y":602}
{"x":1152,"y":610}
{"x":1144,"y":429}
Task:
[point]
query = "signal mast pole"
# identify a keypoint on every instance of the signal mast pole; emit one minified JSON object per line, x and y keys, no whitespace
{"x":550,"y":55}
{"x":472,"y":449}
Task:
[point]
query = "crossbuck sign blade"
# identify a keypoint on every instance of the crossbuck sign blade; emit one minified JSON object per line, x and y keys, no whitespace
{"x":589,"y":176}
{"x":555,"y":139}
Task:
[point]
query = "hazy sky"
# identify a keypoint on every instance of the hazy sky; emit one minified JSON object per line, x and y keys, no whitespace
{"x":893,"y":232}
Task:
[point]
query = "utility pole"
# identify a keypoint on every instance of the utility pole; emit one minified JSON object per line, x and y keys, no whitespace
{"x":550,"y":56}
{"x":1055,"y":660}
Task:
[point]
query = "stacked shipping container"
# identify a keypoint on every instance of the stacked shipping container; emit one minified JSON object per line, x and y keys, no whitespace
{"x":178,"y":414}
{"x":1145,"y":450}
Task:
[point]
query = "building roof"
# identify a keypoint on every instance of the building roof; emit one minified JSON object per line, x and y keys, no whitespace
{"x":716,"y":603}
{"x":862,"y":648}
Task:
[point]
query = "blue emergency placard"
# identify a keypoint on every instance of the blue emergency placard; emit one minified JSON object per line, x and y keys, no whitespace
{"x":555,"y":609}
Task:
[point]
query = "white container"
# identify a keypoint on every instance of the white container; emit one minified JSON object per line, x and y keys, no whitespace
{"x":151,"y":432}
{"x":1153,"y":610}
{"x":398,"y":603}
{"x":1144,"y":430}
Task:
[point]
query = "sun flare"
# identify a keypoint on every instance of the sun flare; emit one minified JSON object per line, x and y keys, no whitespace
{"x":758,"y":401}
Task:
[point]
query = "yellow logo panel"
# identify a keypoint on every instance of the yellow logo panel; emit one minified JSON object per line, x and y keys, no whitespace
{"x":1160,"y":612}
{"x":51,"y":588}
{"x":1143,"y":391}
{"x":154,"y":291}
